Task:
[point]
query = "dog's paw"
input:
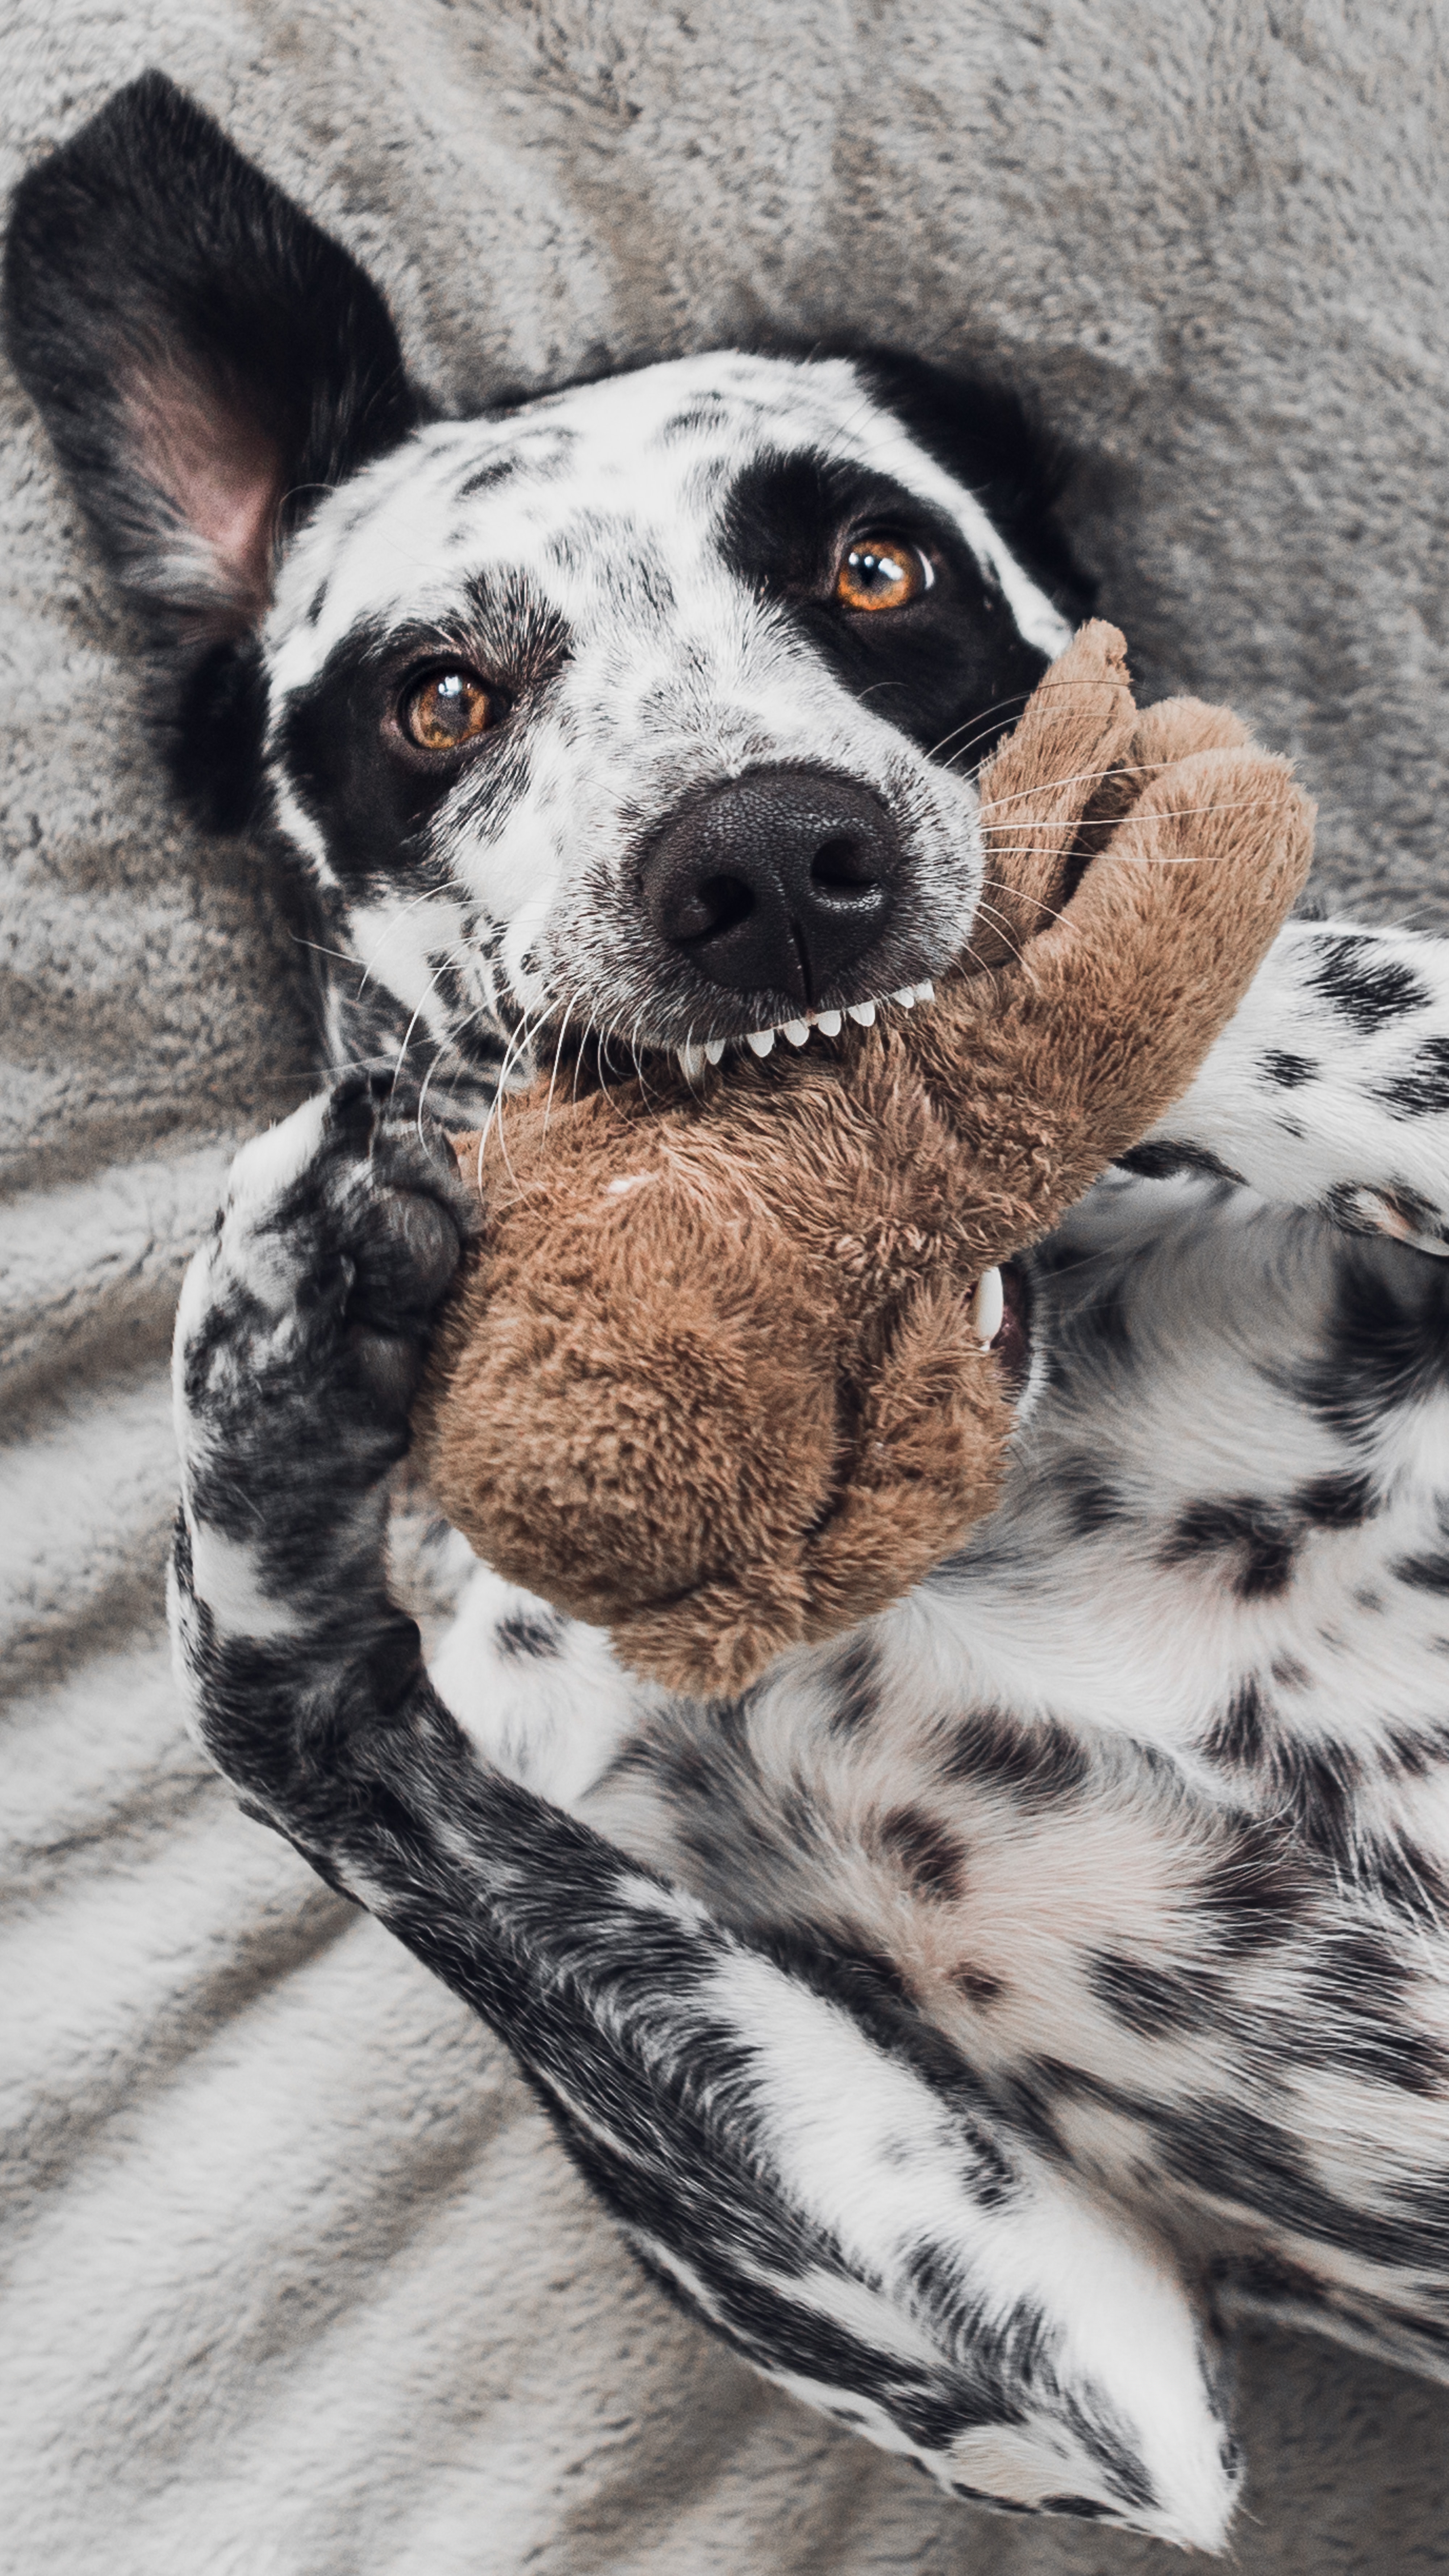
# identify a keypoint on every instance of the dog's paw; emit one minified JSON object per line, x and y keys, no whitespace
{"x":300,"y":1342}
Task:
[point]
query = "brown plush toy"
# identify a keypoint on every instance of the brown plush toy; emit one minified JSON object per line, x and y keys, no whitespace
{"x":718,"y":1377}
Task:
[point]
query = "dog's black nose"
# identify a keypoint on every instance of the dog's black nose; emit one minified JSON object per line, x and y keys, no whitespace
{"x":777,"y":881}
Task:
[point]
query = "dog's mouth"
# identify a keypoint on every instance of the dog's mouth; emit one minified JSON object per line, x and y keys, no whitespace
{"x":797,"y":1032}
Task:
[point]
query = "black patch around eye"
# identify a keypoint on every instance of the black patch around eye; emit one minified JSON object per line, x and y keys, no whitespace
{"x":1368,"y":990}
{"x":951,"y":669}
{"x":374,"y":804}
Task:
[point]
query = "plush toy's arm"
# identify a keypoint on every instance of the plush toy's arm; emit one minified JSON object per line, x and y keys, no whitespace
{"x":1329,"y":1088}
{"x":1060,"y":1063}
{"x":793,"y":2156}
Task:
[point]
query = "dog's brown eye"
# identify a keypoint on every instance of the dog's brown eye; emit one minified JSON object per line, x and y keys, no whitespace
{"x":446,"y":709}
{"x":881,"y":572}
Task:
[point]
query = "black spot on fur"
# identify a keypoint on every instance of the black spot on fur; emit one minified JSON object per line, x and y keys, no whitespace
{"x":1413,"y":1752}
{"x":1091,"y":1502}
{"x":1339,"y":1501}
{"x":486,"y":478}
{"x":1408,"y":1878}
{"x":1288,"y":1070}
{"x":1422,"y":1089}
{"x":1289,"y":1673}
{"x":1240,"y":1734}
{"x":1385,"y":1344}
{"x":528,"y":1633}
{"x":853,"y":1683}
{"x":928,"y":1855}
{"x":1038,"y":1766}
{"x":1254,"y":1533}
{"x":1253,"y":1893}
{"x":1155,"y":2001}
{"x":1315,"y":1783}
{"x":1368,"y":990}
{"x":1428,"y":1572}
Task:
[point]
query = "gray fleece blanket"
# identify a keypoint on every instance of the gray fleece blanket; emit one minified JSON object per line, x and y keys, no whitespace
{"x":298,"y":2283}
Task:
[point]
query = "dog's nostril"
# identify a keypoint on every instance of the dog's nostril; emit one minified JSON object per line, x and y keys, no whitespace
{"x":712,"y":907}
{"x":843,"y":865}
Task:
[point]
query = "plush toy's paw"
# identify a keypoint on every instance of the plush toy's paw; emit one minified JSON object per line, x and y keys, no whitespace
{"x":300,"y":1341}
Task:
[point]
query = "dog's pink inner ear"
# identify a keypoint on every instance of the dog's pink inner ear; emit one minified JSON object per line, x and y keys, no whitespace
{"x":219,"y":471}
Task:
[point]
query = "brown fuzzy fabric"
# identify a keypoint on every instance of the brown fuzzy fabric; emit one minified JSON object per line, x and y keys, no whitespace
{"x":711,"y":1382}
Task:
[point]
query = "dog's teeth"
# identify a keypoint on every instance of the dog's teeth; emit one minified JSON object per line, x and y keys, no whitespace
{"x":988,"y":1305}
{"x":691,"y":1062}
{"x":828,"y":1023}
{"x":713,"y":1049}
{"x":925,"y":992}
{"x":863,"y":1014}
{"x":906,"y":996}
{"x":797,"y":1031}
{"x":761,"y":1040}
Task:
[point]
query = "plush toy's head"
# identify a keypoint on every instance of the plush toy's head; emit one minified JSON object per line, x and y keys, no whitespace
{"x":734,"y":1364}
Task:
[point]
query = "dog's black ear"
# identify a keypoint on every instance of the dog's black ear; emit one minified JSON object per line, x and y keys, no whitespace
{"x":206,"y":360}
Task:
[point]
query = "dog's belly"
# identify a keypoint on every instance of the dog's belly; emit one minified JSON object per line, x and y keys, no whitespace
{"x":1144,"y":1800}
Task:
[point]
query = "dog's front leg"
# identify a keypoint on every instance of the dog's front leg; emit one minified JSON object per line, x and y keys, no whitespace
{"x":1329,"y":1089}
{"x":791,"y":2152}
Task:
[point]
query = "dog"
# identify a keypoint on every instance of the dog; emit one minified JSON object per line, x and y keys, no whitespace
{"x":973,"y":2019}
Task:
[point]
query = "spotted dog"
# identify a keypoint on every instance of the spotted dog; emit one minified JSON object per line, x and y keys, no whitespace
{"x":993,"y":2002}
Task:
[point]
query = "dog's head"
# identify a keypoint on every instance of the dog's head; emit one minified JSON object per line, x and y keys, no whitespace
{"x":649,"y":707}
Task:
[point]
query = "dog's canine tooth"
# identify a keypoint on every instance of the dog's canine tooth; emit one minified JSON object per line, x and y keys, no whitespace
{"x":863,"y":1014}
{"x":988,"y":1306}
{"x":828,"y":1023}
{"x":760,"y":1040}
{"x":713,"y":1049}
{"x":925,"y":992}
{"x":797,"y":1031}
{"x":691,"y":1062}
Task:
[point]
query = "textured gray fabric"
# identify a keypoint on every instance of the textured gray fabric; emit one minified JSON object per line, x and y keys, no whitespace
{"x":299,"y":2282}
